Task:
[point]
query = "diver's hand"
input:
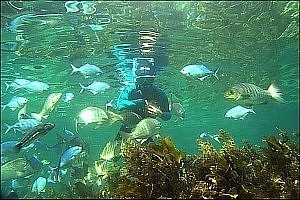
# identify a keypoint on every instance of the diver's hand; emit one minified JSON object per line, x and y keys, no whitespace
{"x":154,"y":111}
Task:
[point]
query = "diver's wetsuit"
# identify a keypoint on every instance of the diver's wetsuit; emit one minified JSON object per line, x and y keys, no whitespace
{"x":133,"y":99}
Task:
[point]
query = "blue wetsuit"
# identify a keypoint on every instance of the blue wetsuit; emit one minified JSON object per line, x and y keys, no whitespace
{"x":133,"y":99}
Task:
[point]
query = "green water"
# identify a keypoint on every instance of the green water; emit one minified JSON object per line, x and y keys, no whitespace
{"x":252,"y":42}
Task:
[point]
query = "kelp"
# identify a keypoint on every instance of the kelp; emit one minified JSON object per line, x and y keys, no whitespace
{"x":159,"y":170}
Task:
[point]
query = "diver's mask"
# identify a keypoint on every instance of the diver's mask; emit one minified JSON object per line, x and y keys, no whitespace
{"x":144,"y":75}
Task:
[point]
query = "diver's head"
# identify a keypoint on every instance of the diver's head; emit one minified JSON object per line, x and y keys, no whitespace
{"x":145,"y":74}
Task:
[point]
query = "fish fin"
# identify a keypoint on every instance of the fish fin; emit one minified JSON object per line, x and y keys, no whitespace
{"x":252,"y":111}
{"x":141,"y":141}
{"x":7,"y":86}
{"x":94,"y":92}
{"x":275,"y":93}
{"x":3,"y":106}
{"x":45,"y":116}
{"x":202,"y":78}
{"x":215,"y":74}
{"x":8,"y":128}
{"x":17,"y":148}
{"x":74,"y":69}
{"x":36,"y":116}
{"x":82,"y":88}
{"x":124,"y":135}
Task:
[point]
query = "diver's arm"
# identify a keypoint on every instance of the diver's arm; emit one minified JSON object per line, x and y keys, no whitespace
{"x":124,"y":102}
{"x":164,"y":107}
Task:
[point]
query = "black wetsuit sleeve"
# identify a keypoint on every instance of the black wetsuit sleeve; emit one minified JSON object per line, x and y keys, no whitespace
{"x":164,"y":106}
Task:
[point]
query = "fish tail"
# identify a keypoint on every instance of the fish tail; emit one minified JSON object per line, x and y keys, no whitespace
{"x":74,"y":69}
{"x":3,"y":106}
{"x":215,"y":74}
{"x":7,"y":86}
{"x":8,"y":128}
{"x":37,"y":116}
{"x":251,"y":110}
{"x":17,"y":148}
{"x":82,"y":88}
{"x":275,"y":93}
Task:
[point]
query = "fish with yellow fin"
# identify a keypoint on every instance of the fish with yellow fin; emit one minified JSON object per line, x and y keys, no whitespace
{"x":48,"y":107}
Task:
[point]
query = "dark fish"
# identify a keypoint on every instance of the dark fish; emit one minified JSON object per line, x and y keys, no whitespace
{"x":34,"y":162}
{"x":38,"y":131}
{"x":40,"y":146}
{"x":66,"y":136}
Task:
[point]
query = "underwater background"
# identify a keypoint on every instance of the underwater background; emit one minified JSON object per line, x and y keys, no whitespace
{"x":250,"y":42}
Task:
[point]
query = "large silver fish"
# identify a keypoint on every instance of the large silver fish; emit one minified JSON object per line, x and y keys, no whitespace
{"x":238,"y":112}
{"x":15,"y":102}
{"x":48,"y":106}
{"x":36,"y":86}
{"x":95,"y":87}
{"x":249,"y":94}
{"x":145,"y":129}
{"x":23,"y":125}
{"x":87,"y":70}
{"x":17,"y":83}
{"x":96,"y":115}
{"x":37,"y":132}
{"x":198,"y":71}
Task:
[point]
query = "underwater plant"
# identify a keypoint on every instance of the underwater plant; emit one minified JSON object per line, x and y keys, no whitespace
{"x":159,"y":170}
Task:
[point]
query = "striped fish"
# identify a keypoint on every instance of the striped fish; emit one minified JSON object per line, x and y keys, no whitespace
{"x":23,"y":124}
{"x":249,"y":94}
{"x":145,"y":129}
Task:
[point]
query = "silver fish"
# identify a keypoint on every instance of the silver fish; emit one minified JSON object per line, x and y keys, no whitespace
{"x":87,"y":70}
{"x":68,"y":97}
{"x":238,"y":112}
{"x":15,"y":102}
{"x":146,"y":128}
{"x":17,"y":84}
{"x":36,"y":86}
{"x":198,"y":71}
{"x":96,"y":115}
{"x":23,"y":124}
{"x":95,"y":87}
{"x":39,"y":185}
